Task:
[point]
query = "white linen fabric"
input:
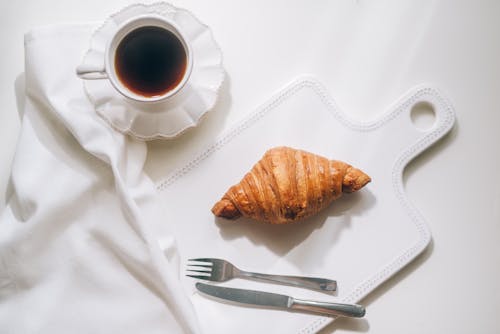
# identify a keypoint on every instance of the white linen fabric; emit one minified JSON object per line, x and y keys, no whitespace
{"x":76,"y":251}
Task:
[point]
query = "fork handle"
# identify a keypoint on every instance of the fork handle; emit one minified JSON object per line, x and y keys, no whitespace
{"x":313,"y":283}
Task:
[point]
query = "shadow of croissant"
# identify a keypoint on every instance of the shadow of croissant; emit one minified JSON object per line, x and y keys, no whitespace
{"x":282,"y":239}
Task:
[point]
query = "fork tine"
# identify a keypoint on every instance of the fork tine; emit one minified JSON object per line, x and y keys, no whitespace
{"x":202,"y":259}
{"x":200,"y":265}
{"x":199,"y":271}
{"x":208,"y":278}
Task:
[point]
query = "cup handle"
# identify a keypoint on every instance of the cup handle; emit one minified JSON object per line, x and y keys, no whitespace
{"x":87,"y":72}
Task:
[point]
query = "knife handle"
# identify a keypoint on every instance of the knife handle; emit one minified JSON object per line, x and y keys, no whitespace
{"x":344,"y":310}
{"x":314,"y":283}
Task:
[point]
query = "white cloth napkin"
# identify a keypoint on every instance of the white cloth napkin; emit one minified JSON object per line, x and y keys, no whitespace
{"x":76,"y":252}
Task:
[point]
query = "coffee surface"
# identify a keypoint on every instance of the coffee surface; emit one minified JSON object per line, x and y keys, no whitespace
{"x":150,"y":61}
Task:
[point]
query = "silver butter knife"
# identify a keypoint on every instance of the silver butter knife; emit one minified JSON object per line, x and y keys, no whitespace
{"x":260,"y":298}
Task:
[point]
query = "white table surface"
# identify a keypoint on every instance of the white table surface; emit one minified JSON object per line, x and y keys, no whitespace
{"x":367,"y":53}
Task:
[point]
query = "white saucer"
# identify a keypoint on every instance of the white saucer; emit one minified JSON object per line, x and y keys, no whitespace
{"x":172,"y":117}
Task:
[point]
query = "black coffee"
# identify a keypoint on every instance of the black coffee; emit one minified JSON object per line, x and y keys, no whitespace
{"x":150,"y":61}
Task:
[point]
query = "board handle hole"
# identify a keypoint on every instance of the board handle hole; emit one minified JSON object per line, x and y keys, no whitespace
{"x":423,"y":115}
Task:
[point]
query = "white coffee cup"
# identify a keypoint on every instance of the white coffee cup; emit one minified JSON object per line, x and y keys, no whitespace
{"x":109,"y":70}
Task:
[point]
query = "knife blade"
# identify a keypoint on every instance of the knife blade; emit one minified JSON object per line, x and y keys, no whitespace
{"x":268,"y":299}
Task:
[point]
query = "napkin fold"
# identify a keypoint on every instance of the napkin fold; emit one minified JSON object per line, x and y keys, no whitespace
{"x":76,"y":250}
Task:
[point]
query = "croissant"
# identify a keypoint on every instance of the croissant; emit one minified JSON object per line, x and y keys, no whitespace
{"x":287,"y":185}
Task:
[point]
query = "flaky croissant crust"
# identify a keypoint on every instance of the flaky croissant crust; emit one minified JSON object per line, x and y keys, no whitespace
{"x":287,"y":185}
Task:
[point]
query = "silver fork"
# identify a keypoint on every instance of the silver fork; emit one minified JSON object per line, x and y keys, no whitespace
{"x":218,"y":270}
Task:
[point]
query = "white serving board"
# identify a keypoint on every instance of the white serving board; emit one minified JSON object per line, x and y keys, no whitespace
{"x":360,"y":240}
